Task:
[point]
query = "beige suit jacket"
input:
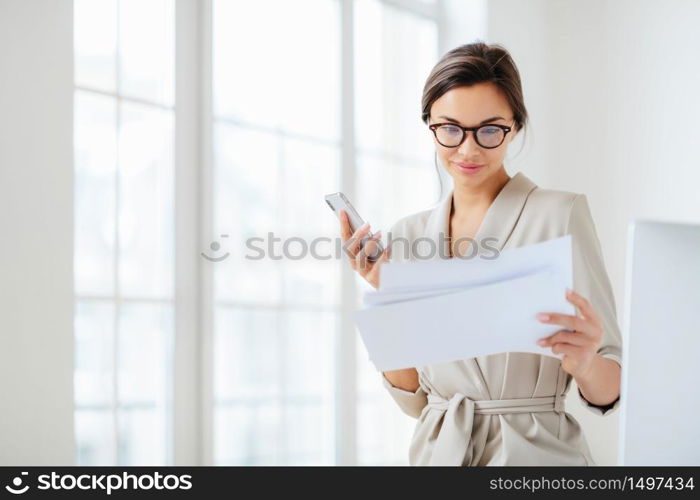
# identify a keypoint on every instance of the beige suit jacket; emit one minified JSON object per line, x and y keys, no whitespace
{"x":508,"y":408}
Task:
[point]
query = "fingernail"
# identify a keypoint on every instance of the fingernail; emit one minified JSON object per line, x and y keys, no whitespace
{"x":568,"y":291}
{"x":364,"y":226}
{"x":542,"y":342}
{"x":543,"y":317}
{"x":377,"y":235}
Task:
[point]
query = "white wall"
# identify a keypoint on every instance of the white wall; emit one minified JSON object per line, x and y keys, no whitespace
{"x":627,"y":80}
{"x":612,"y":90}
{"x":36,"y":227}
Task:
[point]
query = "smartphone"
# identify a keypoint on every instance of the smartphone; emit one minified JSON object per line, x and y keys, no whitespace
{"x":337,"y":202}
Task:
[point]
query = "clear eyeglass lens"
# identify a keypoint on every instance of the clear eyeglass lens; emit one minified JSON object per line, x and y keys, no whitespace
{"x":490,"y":136}
{"x":449,"y":135}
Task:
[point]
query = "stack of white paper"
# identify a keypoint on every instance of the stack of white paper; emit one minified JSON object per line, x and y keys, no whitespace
{"x":447,"y":309}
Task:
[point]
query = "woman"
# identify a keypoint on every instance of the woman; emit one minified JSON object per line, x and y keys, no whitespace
{"x":507,"y":408}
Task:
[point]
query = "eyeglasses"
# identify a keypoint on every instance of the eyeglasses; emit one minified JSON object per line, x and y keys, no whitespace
{"x":451,"y":135}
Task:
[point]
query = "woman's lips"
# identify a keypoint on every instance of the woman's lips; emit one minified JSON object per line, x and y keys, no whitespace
{"x":468,"y":168}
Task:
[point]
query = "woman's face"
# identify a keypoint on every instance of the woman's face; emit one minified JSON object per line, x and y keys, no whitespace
{"x":471,"y":106}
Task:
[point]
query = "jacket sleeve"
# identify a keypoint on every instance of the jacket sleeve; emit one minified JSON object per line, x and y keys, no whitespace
{"x":411,"y":403}
{"x":592,"y":282}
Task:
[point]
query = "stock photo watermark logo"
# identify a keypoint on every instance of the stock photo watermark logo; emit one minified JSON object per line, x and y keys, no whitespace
{"x":215,"y":246}
{"x":17,"y":487}
{"x":105,"y":483}
{"x":325,"y":248}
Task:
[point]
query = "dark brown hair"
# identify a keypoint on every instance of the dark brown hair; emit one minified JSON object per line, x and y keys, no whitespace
{"x":474,"y":63}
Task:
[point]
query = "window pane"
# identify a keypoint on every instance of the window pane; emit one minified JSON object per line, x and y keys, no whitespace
{"x":142,"y":434}
{"x":247,"y":379}
{"x":247,"y":178}
{"x":95,"y":43}
{"x":281,"y":195}
{"x":144,"y":353}
{"x":394,"y":53}
{"x":274,"y":72}
{"x":246,"y":205}
{"x":247,"y":435}
{"x":95,"y":171}
{"x":94,"y":437}
{"x":94,"y":352}
{"x":309,"y":434}
{"x":247,"y":357}
{"x":384,"y":437}
{"x":146,"y":233}
{"x":308,"y":340}
{"x":410,"y":187}
{"x":147,"y":49}
{"x":286,"y":379}
{"x":310,"y":281}
{"x":310,"y":172}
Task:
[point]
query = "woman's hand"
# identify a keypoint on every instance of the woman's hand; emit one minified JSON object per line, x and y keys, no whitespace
{"x":358,"y":257}
{"x":579,"y":346}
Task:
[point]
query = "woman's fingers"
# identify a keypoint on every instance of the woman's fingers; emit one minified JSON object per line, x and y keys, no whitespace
{"x":358,"y":252}
{"x":566,"y":336}
{"x":373,"y":274}
{"x":565,"y":320}
{"x":584,"y":306}
{"x":567,"y":349}
{"x":372,"y":244}
{"x":345,"y":232}
{"x":361,"y":258}
{"x":587,"y":325}
{"x":352,"y":247}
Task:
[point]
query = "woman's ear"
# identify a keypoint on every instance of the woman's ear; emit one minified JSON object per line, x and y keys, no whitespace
{"x":515,"y":134}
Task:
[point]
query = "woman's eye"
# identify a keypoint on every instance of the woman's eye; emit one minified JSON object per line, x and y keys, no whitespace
{"x":449,"y":129}
{"x":490,"y":130}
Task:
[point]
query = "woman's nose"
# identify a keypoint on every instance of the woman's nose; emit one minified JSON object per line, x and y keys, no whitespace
{"x":468,"y":145}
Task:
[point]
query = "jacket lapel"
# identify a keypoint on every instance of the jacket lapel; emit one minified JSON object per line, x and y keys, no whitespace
{"x":500,"y":218}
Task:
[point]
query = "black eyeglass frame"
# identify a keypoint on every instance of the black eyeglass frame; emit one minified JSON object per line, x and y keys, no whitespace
{"x":505,"y":129}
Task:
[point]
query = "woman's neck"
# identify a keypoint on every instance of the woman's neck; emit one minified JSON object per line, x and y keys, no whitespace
{"x":467,"y":199}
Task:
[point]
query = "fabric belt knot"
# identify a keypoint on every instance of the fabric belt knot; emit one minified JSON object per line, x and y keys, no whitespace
{"x":454,"y":438}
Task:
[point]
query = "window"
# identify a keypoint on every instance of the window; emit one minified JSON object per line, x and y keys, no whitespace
{"x":276,"y":152}
{"x":286,"y":114}
{"x":395,"y":50}
{"x":278,"y":324}
{"x":124,"y":119}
